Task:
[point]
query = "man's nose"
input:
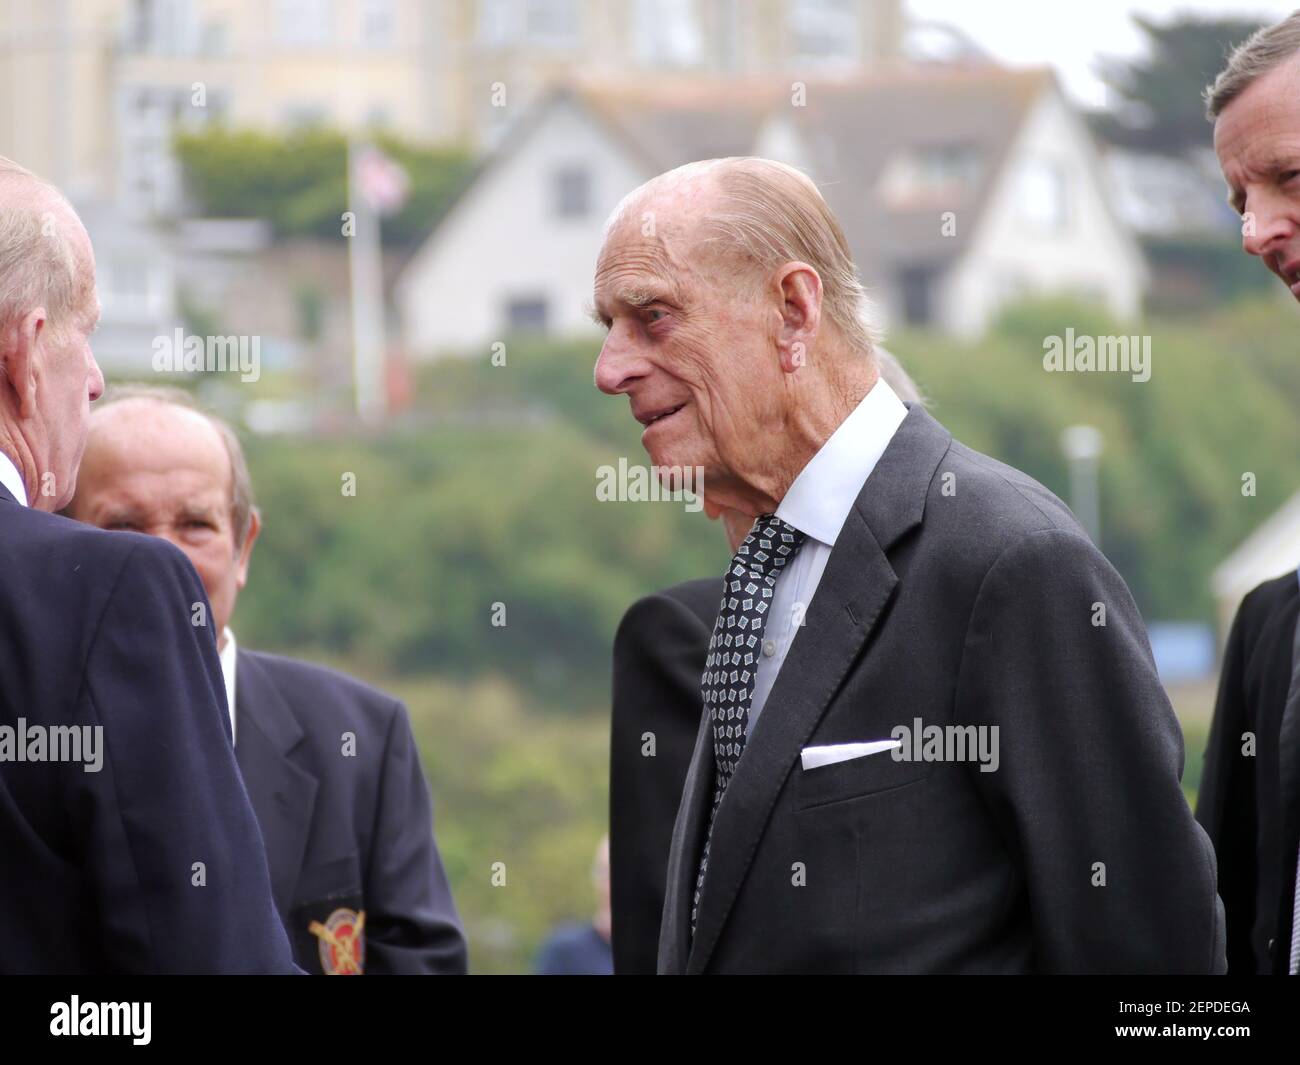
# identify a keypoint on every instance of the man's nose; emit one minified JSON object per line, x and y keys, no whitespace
{"x":96,"y":383}
{"x":618,"y":365}
{"x":1267,"y":225}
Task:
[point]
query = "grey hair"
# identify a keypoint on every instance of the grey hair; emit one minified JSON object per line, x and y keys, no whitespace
{"x":38,"y":264}
{"x":898,"y":378}
{"x":242,"y":504}
{"x":1264,"y":50}
{"x":773,"y":213}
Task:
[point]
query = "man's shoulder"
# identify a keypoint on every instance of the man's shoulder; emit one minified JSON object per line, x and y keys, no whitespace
{"x":1274,"y":598}
{"x":987,"y":508}
{"x":686,"y":607}
{"x":312,"y":690}
{"x":62,"y":555}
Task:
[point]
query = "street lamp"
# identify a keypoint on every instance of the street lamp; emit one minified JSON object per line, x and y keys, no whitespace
{"x":1082,"y":447}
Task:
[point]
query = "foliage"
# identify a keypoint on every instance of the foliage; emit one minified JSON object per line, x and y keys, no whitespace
{"x":298,"y":181}
{"x":1161,"y":109}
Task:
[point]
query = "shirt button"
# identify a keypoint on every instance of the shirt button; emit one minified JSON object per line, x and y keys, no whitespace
{"x":769,"y":648}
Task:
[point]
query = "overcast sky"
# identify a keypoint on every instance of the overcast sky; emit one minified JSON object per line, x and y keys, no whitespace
{"x":1072,"y":34}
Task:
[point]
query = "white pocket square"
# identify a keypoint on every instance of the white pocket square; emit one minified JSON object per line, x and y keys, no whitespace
{"x":815,"y":757}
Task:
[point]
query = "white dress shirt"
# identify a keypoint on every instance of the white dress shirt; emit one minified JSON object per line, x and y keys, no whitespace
{"x":227,"y":655}
{"x":817,"y":504}
{"x":12,"y":479}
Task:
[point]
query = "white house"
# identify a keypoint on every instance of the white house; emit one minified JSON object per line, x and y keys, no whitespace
{"x":959,"y":187}
{"x":1270,"y":551}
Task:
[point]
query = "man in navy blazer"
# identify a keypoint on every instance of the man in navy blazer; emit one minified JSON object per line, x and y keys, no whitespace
{"x":127,"y":837}
{"x":330,"y":763}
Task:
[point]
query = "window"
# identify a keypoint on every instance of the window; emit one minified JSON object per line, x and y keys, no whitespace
{"x":824,"y":31}
{"x":553,"y":22}
{"x":305,"y":115}
{"x":665,"y":33}
{"x":526,"y":314}
{"x":165,"y":27}
{"x":916,"y":285}
{"x":929,"y":173}
{"x":496,"y":21}
{"x":303,"y":23}
{"x":572,"y":189}
{"x":378,"y":23}
{"x":1042,"y":194}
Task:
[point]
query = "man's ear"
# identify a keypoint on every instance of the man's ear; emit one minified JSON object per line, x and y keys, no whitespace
{"x":800,"y":292}
{"x":19,"y":353}
{"x":246,"y":553}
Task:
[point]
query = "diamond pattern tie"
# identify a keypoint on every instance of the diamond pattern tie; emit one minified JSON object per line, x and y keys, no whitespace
{"x":728,"y":680}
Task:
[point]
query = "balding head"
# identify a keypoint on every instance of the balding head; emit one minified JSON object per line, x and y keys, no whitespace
{"x":45,"y":256}
{"x":758,"y":214}
{"x":737,"y":324}
{"x":156,"y":464}
{"x":48,"y":309}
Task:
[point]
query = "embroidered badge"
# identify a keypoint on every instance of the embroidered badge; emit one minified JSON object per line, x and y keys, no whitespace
{"x":342,"y":942}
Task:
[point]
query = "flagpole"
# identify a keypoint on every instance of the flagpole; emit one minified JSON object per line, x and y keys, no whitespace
{"x":366,"y":274}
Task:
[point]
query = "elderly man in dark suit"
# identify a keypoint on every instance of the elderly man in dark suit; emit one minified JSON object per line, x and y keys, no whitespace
{"x":128,"y":841}
{"x":1249,"y":800}
{"x":934,"y":739}
{"x":659,"y":653}
{"x":330,"y":763}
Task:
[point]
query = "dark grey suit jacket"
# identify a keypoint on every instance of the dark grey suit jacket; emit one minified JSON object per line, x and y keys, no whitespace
{"x":344,"y":834}
{"x":959,"y":592}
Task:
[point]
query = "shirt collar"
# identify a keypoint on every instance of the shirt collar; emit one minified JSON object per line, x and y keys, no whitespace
{"x":227,"y":656}
{"x":821,"y":497}
{"x":12,"y":479}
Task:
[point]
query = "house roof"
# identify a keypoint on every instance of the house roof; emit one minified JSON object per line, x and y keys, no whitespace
{"x":849,"y":132}
{"x":1271,"y":550}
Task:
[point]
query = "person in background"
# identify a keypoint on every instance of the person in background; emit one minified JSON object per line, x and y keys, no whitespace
{"x":330,"y":763}
{"x":583,"y":949}
{"x":1249,"y":799}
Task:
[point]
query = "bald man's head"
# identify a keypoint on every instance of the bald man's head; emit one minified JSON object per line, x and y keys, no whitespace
{"x":738,"y":327}
{"x":161,"y":467}
{"x":48,"y":310}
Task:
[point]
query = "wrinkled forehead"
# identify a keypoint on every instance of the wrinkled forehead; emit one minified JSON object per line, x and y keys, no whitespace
{"x":1267,"y":110}
{"x":142,"y":434}
{"x":656,"y":239}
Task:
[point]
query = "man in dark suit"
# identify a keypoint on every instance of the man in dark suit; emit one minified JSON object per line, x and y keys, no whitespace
{"x":128,"y":842}
{"x":1249,"y":800}
{"x":659,"y":653}
{"x":935,"y":740}
{"x":330,"y":763}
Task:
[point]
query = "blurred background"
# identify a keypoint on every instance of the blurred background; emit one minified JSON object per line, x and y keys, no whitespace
{"x":397,"y":205}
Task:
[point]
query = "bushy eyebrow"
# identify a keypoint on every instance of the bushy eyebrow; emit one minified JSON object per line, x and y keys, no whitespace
{"x":120,"y":515}
{"x":636,"y":297}
{"x":1271,"y":164}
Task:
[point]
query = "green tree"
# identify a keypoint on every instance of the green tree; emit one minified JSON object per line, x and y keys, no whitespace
{"x":298,"y":181}
{"x":1160,"y":107}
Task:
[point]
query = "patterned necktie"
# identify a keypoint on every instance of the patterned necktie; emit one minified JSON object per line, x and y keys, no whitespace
{"x":728,"y":680}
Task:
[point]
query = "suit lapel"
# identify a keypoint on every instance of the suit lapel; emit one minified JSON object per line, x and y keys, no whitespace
{"x":1288,"y":758}
{"x":854,"y":590}
{"x":684,"y":853}
{"x":282,"y":793}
